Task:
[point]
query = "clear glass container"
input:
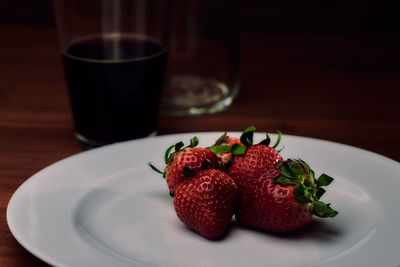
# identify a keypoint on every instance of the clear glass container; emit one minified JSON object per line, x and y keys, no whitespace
{"x":203,"y":57}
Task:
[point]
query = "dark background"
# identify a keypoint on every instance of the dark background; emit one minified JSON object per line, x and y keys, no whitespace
{"x":379,"y":20}
{"x":279,"y":16}
{"x":343,"y":55}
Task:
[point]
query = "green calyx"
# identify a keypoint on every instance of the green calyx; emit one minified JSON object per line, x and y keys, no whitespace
{"x":222,"y":139}
{"x":169,"y":154}
{"x":246,"y":139}
{"x":221,"y":149}
{"x":178,"y":147}
{"x":308,"y":189}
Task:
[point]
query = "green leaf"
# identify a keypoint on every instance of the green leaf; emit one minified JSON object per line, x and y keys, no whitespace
{"x":178,"y":146}
{"x":167,"y":155}
{"x":323,"y":210}
{"x":194,"y":141}
{"x":220,"y":149}
{"x":250,"y":129}
{"x":222,"y":139}
{"x":155,"y":168}
{"x":300,"y":191}
{"x":188,"y":172}
{"x":205,"y":164}
{"x":320,"y":192}
{"x":311,"y":173}
{"x":238,"y":149}
{"x":324,"y":180}
{"x":305,"y":166}
{"x":266,"y":141}
{"x":295,"y":167}
{"x":283,"y":180}
{"x":284,"y":168}
{"x":247,"y":136}
{"x":278,"y":140}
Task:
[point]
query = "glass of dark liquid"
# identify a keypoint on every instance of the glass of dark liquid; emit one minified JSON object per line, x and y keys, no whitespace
{"x":114,"y":55}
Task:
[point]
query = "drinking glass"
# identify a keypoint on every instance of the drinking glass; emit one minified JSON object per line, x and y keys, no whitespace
{"x":203,"y":57}
{"x":114,"y":54}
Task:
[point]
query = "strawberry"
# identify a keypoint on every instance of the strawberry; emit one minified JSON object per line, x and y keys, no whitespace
{"x":206,"y":202}
{"x":184,"y":162}
{"x":250,"y":161}
{"x":284,"y":199}
{"x":222,"y":148}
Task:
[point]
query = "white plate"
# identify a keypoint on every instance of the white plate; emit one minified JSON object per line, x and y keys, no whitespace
{"x":106,"y":207}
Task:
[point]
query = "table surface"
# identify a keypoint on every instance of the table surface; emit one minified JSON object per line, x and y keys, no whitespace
{"x":338,"y":87}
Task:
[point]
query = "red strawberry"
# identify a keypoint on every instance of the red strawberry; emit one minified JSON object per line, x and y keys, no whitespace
{"x":185,"y":162}
{"x":245,"y":169}
{"x":250,"y":161}
{"x":284,"y":200}
{"x":222,"y":148}
{"x":206,"y":202}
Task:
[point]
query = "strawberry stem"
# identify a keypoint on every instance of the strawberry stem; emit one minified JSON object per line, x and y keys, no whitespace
{"x":154,"y":168}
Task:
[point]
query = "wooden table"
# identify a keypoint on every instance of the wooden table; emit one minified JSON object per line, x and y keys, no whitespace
{"x":339,"y":87}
